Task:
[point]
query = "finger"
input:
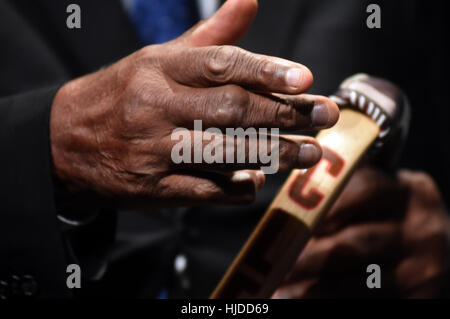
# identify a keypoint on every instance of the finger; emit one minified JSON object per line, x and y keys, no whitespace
{"x":220,"y":65}
{"x":213,"y":151}
{"x":351,"y":248}
{"x":349,"y":285}
{"x":424,"y":191}
{"x":346,"y":285}
{"x":198,"y":188}
{"x":233,"y":106}
{"x":295,"y":290}
{"x":420,"y":276}
{"x":226,"y":26}
{"x":257,"y":177}
{"x":203,"y":188}
{"x":370,"y":195}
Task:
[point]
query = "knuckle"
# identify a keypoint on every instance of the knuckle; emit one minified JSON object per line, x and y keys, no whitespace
{"x":148,"y":55}
{"x":435,"y":269}
{"x":422,"y":178}
{"x":220,"y":62}
{"x":236,"y":96}
{"x":284,"y":115}
{"x":418,"y":179}
{"x":428,"y":182}
{"x":335,"y":246}
{"x":264,"y":71}
{"x":434,"y":231}
{"x":231,"y":105}
{"x":353,"y":235}
{"x":425,"y":187}
{"x":139,"y":174}
{"x":140,"y":92}
{"x":133,"y":186}
{"x":287,"y":151}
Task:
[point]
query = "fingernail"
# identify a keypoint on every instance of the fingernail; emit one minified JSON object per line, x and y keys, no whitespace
{"x":294,"y":78}
{"x":309,"y":154}
{"x":241,"y":177}
{"x":320,"y":115}
{"x":260,"y":179}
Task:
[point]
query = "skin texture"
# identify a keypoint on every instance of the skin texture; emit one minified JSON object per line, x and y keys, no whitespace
{"x":110,"y":134}
{"x":399,"y":223}
{"x":111,"y":130}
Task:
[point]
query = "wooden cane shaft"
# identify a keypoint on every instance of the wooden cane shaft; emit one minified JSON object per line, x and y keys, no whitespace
{"x":280,"y":236}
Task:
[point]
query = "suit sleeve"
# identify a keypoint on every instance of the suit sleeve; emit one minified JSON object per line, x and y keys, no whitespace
{"x":32,"y":256}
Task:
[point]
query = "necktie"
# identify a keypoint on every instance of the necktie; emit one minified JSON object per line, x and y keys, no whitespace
{"x":158,"y":21}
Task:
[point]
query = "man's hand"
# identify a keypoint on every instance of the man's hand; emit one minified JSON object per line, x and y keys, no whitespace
{"x":400,"y":224}
{"x":111,"y":130}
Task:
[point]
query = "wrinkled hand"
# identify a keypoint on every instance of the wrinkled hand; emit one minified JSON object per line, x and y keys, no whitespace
{"x":400,"y":224}
{"x":111,"y":130}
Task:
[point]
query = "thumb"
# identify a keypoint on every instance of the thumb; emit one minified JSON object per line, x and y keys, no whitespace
{"x":226,"y":26}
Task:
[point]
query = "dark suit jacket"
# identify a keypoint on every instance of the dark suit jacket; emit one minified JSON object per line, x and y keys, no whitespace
{"x":39,"y":53}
